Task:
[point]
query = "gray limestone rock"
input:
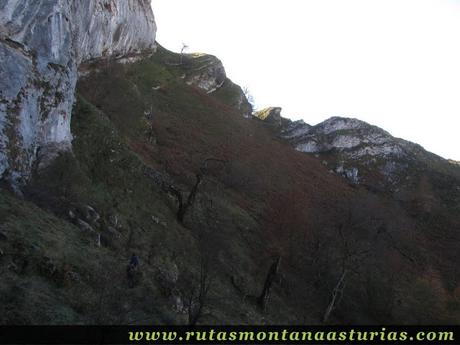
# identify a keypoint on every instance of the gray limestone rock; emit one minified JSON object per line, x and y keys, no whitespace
{"x":270,"y":115}
{"x":41,"y":45}
{"x":207,"y":72}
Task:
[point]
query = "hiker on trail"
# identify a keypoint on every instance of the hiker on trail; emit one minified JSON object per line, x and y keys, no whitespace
{"x":134,"y":261}
{"x":131,"y":270}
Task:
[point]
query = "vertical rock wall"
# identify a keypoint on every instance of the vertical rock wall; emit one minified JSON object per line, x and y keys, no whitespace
{"x":41,"y":45}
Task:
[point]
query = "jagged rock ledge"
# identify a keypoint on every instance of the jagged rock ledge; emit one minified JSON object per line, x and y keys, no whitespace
{"x":206,"y":72}
{"x":270,"y":115}
{"x":350,"y":146}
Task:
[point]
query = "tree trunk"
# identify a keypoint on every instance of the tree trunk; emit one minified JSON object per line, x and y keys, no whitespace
{"x":271,"y":275}
{"x":335,"y":293}
{"x":184,"y":206}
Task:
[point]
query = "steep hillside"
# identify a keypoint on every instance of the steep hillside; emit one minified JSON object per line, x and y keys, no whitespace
{"x":210,"y":200}
{"x":371,"y":157}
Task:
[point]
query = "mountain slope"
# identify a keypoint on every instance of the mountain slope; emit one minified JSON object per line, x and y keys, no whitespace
{"x":142,"y":137}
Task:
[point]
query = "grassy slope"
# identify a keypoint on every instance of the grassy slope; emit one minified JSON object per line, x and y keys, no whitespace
{"x":266,"y":200}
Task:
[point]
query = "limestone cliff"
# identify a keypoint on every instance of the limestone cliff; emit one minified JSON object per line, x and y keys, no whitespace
{"x":206,"y":72}
{"x":42,"y":44}
{"x":362,"y":153}
{"x":354,"y":144}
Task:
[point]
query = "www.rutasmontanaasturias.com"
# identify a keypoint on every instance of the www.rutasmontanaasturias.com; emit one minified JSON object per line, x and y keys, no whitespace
{"x":291,"y":336}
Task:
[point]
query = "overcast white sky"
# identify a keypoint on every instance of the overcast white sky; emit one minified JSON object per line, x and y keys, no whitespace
{"x":392,"y":63}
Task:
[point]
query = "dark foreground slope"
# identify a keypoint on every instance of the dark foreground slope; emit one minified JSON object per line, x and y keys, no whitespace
{"x":141,"y":137}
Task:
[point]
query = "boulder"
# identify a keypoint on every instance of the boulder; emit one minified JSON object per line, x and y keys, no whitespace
{"x":84,"y":226}
{"x":91,"y":216}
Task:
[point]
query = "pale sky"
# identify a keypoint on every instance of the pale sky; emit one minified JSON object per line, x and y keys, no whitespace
{"x":392,"y":63}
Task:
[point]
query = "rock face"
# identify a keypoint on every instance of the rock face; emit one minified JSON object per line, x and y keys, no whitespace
{"x":113,"y":28}
{"x":207,"y":72}
{"x":356,"y":139}
{"x":41,"y":45}
{"x":270,"y":115}
{"x":354,"y":147}
{"x":360,"y":152}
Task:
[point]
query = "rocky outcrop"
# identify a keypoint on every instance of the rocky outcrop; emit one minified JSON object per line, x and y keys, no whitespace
{"x":204,"y":71}
{"x":41,"y":45}
{"x":353,"y":147}
{"x":111,"y":28}
{"x":360,"y":152}
{"x":207,"y":73}
{"x":356,"y":139}
{"x":270,"y":115}
{"x":366,"y":154}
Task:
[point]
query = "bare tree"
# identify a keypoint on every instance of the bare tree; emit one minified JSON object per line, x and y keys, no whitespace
{"x":184,"y":204}
{"x":182,"y":52}
{"x":337,"y":294}
{"x":269,"y":280}
{"x":352,"y":254}
{"x":197,"y":297}
{"x":249,"y":97}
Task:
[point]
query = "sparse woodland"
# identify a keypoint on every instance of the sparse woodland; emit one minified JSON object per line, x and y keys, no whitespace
{"x":231,"y":224}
